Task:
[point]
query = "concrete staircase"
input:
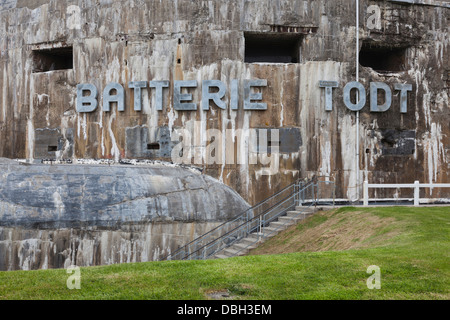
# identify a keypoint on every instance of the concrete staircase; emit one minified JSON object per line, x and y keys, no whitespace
{"x":253,"y":240}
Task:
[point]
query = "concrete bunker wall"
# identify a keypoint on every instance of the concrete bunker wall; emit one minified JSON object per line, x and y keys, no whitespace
{"x":123,"y":41}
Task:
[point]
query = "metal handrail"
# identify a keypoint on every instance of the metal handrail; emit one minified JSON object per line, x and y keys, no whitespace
{"x":245,"y":224}
{"x":261,"y":223}
{"x":185,"y":251}
{"x":235,"y":218}
{"x":266,"y":221}
{"x":193,"y":248}
{"x":268,"y":234}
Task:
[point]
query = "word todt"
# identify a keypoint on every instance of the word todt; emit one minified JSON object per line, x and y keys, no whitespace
{"x":374,"y":88}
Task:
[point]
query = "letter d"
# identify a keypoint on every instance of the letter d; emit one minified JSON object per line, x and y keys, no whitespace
{"x":225,"y":309}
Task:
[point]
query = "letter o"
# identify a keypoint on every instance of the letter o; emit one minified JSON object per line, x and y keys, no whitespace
{"x":362,"y":96}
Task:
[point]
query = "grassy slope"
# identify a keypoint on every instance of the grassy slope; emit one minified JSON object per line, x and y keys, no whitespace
{"x":414,"y":263}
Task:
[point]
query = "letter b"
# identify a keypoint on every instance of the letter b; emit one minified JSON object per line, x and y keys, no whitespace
{"x":86,"y":103}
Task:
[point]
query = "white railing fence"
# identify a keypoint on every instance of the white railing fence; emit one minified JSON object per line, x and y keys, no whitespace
{"x":416,"y":186}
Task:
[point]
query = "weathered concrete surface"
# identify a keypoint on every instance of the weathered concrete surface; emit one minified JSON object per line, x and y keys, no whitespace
{"x":135,"y":40}
{"x":44,"y":195}
{"x":54,"y":215}
{"x":31,"y":249}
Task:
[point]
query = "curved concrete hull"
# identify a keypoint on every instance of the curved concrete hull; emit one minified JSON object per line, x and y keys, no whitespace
{"x":55,"y":216}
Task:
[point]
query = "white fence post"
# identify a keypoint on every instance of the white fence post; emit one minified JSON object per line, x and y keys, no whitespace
{"x":366,"y":193}
{"x":416,"y":193}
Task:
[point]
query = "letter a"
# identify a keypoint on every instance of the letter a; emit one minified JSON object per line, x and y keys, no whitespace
{"x":74,"y":281}
{"x":374,"y":281}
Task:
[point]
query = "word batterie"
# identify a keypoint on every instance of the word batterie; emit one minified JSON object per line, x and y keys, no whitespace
{"x":113,"y":92}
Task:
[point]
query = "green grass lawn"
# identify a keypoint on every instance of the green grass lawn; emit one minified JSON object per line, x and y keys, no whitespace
{"x":414,"y":264}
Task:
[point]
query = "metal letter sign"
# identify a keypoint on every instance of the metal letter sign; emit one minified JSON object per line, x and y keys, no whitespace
{"x":181,"y":101}
{"x":249,"y":96}
{"x":328,"y":85}
{"x":119,"y":97}
{"x":179,"y":97}
{"x":234,"y":103}
{"x":86,"y":103}
{"x":375,"y":87}
{"x":362,"y":96}
{"x":159,"y":85}
{"x":137,"y":86}
{"x":216,"y":97}
{"x":403,"y":88}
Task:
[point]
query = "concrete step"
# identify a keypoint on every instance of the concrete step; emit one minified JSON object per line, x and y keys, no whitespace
{"x":234,"y":252}
{"x":270,"y":231}
{"x":256,"y":235}
{"x":240,"y":248}
{"x":299,"y":214}
{"x":280,"y":225}
{"x":305,"y":209}
{"x":252,"y":241}
{"x":244,"y":246}
{"x":291,"y":220}
{"x":262,"y":236}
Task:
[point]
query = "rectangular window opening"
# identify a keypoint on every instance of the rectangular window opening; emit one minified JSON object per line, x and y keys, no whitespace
{"x":272,"y":47}
{"x":383,"y":58}
{"x":52,"y":148}
{"x":153,"y":146}
{"x":52,"y":59}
